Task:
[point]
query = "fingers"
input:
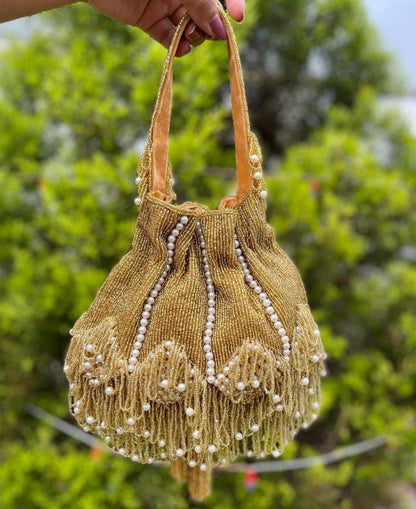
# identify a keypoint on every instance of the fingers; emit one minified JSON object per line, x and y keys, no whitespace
{"x":192,"y":33}
{"x":204,"y":14}
{"x":163,"y":31}
{"x":236,"y":9}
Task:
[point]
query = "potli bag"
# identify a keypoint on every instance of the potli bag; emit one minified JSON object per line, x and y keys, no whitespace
{"x":200,"y":346}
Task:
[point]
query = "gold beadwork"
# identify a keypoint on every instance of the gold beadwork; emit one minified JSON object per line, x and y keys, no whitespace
{"x":200,"y":346}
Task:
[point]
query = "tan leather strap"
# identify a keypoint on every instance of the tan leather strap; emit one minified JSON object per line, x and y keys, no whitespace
{"x":159,"y":130}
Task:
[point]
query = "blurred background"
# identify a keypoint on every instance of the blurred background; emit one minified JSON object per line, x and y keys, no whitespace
{"x":331,"y":88}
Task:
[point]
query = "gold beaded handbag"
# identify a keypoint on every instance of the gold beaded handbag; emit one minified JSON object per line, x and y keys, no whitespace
{"x":200,"y":346}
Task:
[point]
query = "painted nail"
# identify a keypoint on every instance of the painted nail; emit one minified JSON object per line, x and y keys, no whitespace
{"x":218,"y":28}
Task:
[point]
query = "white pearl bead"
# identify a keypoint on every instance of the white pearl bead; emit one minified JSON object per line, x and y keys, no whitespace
{"x":163,"y":455}
{"x":162,"y":443}
{"x":181,"y":387}
{"x":276,"y":398}
{"x":304,"y":380}
{"x":137,"y":345}
{"x":172,"y":239}
{"x":135,"y":352}
{"x":170,"y":246}
{"x":174,"y":232}
{"x":190,"y":412}
{"x":257,"y":175}
{"x":195,"y":433}
{"x":130,"y":368}
{"x":130,"y":421}
{"x":253,"y":284}
{"x":266,"y":303}
{"x":76,"y":410}
{"x":184,"y":219}
{"x":238,"y":436}
{"x":135,"y":457}
{"x":254,"y":158}
{"x":211,"y":380}
{"x":286,"y":358}
{"x":66,"y":367}
{"x":192,"y":463}
{"x":132,"y":360}
{"x":198,"y":448}
{"x":255,"y":383}
{"x":146,"y":407}
{"x":279,"y":408}
{"x":276,"y":453}
{"x":240,"y":386}
{"x":212,"y":448}
{"x":210,"y":371}
{"x":90,"y":419}
{"x":255,"y":427}
{"x":144,"y":321}
{"x":154,"y":293}
{"x":263,"y":193}
{"x":315,"y":405}
{"x":210,"y":364}
{"x":282,"y":331}
{"x":122,"y":451}
{"x":315,"y":358}
{"x":207,"y":340}
{"x":138,"y":180}
{"x":207,"y":348}
{"x":86,"y":364}
{"x":285,"y":339}
{"x":137,"y":201}
{"x":270,"y":310}
{"x":316,"y":332}
{"x":274,"y":318}
{"x":89,"y":347}
{"x":142,"y":329}
{"x":146,"y":434}
{"x":297,"y":415}
{"x":203,"y":467}
{"x":150,"y":460}
{"x":249,"y":278}
{"x":179,"y":226}
{"x":119,"y":431}
{"x":164,"y":383}
{"x":209,"y":355}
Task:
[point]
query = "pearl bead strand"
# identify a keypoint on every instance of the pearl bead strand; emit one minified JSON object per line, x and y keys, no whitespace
{"x":147,"y":308}
{"x":264,"y":298}
{"x":211,"y":378}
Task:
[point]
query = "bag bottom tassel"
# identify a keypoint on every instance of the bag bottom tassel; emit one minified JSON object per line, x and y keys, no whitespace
{"x":199,"y":482}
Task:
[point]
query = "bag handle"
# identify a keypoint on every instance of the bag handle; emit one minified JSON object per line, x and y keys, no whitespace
{"x":159,"y":128}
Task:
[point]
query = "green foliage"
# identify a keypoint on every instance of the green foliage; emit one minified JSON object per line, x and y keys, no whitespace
{"x":304,"y":56}
{"x":74,"y":112}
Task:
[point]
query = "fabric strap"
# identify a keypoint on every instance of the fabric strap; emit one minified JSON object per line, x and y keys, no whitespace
{"x":159,"y":129}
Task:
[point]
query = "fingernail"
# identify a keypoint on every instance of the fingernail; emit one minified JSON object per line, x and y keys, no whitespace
{"x":242,"y":19}
{"x":218,"y":28}
{"x":190,"y":29}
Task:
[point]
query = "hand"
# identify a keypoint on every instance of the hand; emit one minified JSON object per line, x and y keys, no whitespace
{"x":159,"y":18}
